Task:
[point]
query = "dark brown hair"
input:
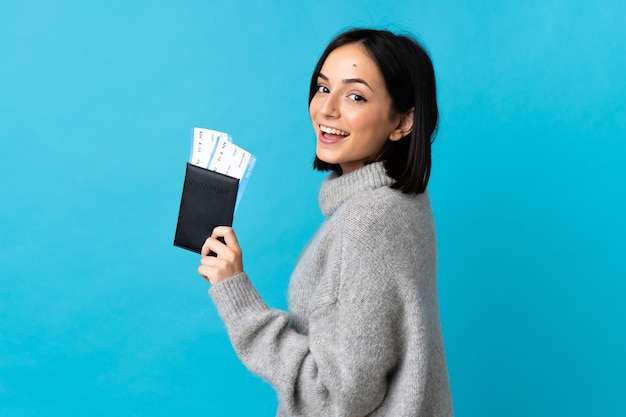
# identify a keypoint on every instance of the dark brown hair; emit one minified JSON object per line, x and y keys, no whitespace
{"x":410,"y":80}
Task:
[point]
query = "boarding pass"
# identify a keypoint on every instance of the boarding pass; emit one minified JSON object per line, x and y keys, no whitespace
{"x":216,"y":151}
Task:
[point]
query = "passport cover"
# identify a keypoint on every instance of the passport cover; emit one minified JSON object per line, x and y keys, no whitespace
{"x":208,"y":201}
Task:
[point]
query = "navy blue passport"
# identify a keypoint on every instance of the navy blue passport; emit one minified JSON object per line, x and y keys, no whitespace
{"x":208,"y":201}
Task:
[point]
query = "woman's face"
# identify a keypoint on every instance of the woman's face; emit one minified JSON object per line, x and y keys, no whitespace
{"x":352,"y":110}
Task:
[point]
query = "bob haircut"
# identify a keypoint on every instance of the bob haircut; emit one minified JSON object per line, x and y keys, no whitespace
{"x":410,"y":80}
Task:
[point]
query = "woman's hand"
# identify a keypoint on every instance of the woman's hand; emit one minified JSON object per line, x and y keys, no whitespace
{"x":228,"y":261}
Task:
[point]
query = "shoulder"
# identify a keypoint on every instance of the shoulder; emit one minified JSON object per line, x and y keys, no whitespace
{"x":385,"y":221}
{"x":388,"y":209}
{"x":387,"y":244}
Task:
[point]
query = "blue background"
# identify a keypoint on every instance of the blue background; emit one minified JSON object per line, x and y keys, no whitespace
{"x":100,"y":315}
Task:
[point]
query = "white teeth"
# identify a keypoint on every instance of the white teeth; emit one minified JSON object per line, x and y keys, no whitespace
{"x":333,"y":131}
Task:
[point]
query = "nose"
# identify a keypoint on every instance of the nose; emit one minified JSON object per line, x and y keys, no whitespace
{"x":330,"y":106}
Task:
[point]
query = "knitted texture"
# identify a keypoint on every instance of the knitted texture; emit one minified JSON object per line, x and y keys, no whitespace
{"x":363,"y":335}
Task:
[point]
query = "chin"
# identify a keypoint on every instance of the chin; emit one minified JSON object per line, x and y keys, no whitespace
{"x":322,"y":156}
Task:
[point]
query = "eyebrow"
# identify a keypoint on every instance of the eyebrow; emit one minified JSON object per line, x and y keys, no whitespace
{"x":348,"y":80}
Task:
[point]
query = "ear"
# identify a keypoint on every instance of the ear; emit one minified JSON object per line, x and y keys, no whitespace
{"x":404,"y":126}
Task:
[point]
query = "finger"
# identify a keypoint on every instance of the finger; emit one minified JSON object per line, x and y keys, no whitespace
{"x":205,"y":272}
{"x":215,"y":270}
{"x":205,"y":248}
{"x":210,"y":265}
{"x":230,"y":238}
{"x":212,"y":245}
{"x":209,"y":261}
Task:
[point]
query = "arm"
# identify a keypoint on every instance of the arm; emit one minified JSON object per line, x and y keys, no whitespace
{"x":342,"y":366}
{"x":339,"y":369}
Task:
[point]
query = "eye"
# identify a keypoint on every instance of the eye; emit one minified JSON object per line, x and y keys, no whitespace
{"x":322,"y":89}
{"x":356,"y":97}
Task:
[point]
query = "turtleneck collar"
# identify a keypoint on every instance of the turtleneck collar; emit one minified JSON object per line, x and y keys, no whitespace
{"x":336,"y":189}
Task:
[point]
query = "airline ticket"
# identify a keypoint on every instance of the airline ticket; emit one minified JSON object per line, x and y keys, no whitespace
{"x":216,"y":151}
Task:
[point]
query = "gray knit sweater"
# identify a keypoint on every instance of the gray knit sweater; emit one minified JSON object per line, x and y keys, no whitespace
{"x":362,"y":336}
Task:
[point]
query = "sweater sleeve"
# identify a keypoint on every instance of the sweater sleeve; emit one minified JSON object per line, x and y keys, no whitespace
{"x":343,"y":366}
{"x":340,"y":369}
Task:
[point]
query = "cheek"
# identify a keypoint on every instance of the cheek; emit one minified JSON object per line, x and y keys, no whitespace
{"x":375,"y":132}
{"x":314,"y":106}
{"x":365,"y":123}
{"x":312,"y":116}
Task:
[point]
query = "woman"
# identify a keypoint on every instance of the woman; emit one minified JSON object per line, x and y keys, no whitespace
{"x":362,"y":336}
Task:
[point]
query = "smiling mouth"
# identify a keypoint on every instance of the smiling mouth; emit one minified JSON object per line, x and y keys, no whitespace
{"x":326,"y":130}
